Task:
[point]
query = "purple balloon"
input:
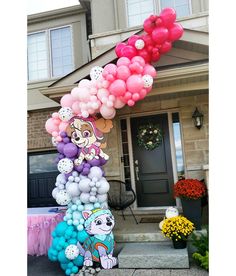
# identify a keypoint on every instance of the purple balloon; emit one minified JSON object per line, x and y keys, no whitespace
{"x":94,"y":162}
{"x":61,"y":156}
{"x":70,"y":150}
{"x":102,"y":161}
{"x":63,"y":134}
{"x":87,"y":165}
{"x":57,"y":159}
{"x":66,"y":140}
{"x":85,"y":171}
{"x":67,"y":175}
{"x":79,"y":168}
{"x":60,"y":147}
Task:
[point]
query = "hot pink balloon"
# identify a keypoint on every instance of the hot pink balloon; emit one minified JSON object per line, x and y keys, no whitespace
{"x":168,"y":16}
{"x":138,"y":59}
{"x":160,"y":35}
{"x":111,"y":69}
{"x":127,"y":96}
{"x":50,"y":126}
{"x":135,"y":97}
{"x":149,"y":70}
{"x":107,"y":112}
{"x":148,"y":26}
{"x":166,"y":47}
{"x":118,"y":88}
{"x":145,"y":55}
{"x":134,"y":83}
{"x":118,"y":103}
{"x":67,"y":100}
{"x":131,"y":103}
{"x":142,"y":93}
{"x":123,"y":61}
{"x":123,"y":72}
{"x":175,"y":32}
{"x":133,"y":39}
{"x":118,"y":48}
{"x":128,"y":51}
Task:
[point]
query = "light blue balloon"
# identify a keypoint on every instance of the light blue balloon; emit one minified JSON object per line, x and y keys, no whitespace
{"x":68,"y":271}
{"x":97,"y":205}
{"x":55,"y":242}
{"x":72,"y":241}
{"x":61,"y":228}
{"x":75,"y":222}
{"x":59,"y":247}
{"x":54,"y":234}
{"x":74,"y":234}
{"x":66,"y":244}
{"x":78,"y":202}
{"x":63,"y":266}
{"x":62,"y":257}
{"x":70,"y":265}
{"x":68,"y":216}
{"x":80,"y":208}
{"x":81,"y":221}
{"x":77,"y":215}
{"x":74,"y":207}
{"x":69,"y":222}
{"x":62,"y":241}
{"x":80,"y":227}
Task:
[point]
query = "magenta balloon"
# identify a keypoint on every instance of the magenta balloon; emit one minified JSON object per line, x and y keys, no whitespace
{"x":134,"y":83}
{"x":128,"y":51}
{"x":118,"y":88}
{"x":160,"y":35}
{"x":148,"y":26}
{"x":168,"y":16}
{"x":133,"y":39}
{"x":118,"y":48}
{"x":123,"y":72}
{"x":175,"y":32}
{"x":70,"y":150}
{"x":149,"y":70}
{"x":166,"y":47}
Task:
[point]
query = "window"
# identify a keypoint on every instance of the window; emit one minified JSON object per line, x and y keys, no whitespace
{"x":178,"y":145}
{"x":138,"y":11}
{"x":182,"y":7}
{"x":42,"y":163}
{"x":50,"y":54}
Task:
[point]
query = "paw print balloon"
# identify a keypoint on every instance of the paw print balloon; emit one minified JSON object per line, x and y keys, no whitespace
{"x":65,"y":165}
{"x":72,"y":252}
{"x":63,"y":198}
{"x":96,"y":72}
{"x":65,"y":114}
{"x":147,"y":81}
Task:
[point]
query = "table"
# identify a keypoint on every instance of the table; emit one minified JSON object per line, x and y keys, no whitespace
{"x":40,"y":223}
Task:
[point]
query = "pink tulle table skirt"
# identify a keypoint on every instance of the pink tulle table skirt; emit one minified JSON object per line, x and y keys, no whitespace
{"x":40,"y":227}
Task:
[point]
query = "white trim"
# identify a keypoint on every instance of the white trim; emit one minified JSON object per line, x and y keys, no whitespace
{"x":179,"y":18}
{"x":172,"y":147}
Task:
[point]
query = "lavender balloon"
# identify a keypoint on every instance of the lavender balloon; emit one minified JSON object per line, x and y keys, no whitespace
{"x":60,"y":147}
{"x":70,"y":150}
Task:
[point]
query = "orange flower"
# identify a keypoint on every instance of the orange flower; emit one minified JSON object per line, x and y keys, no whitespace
{"x":189,"y":188}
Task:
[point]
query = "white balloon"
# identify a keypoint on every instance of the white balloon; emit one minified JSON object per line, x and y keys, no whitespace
{"x":88,"y":206}
{"x":139,"y":44}
{"x":54,"y":141}
{"x":65,"y":165}
{"x":92,"y":198}
{"x":102,"y":198}
{"x":72,"y":252}
{"x":96,"y":73}
{"x":84,"y":197}
{"x":75,"y":173}
{"x":71,"y":178}
{"x":62,"y":197}
{"x":55,"y":192}
{"x":95,"y":172}
{"x":61,"y":187}
{"x":147,"y":81}
{"x":94,"y":189}
{"x":92,"y":193}
{"x":77,"y":179}
{"x":61,"y":178}
{"x":104,"y":187}
{"x":73,"y":189}
{"x":65,"y":113}
{"x":84,"y":185}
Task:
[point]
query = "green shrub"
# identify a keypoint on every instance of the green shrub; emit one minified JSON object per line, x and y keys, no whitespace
{"x":201,"y":243}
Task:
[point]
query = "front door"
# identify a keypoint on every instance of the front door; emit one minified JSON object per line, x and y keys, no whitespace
{"x":153,"y":168}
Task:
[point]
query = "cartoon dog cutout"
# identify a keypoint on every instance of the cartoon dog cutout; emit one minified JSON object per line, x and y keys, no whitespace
{"x":86,"y":133}
{"x":99,"y":246}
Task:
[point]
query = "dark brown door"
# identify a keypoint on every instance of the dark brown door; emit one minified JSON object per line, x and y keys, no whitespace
{"x":153,"y":168}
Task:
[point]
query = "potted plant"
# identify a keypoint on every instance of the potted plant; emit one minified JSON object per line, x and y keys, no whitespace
{"x":191,"y":191}
{"x":178,"y":229}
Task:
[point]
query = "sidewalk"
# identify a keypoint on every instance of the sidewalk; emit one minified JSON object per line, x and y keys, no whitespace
{"x":38,"y":266}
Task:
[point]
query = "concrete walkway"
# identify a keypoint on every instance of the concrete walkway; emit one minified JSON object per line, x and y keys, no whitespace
{"x":41,"y":266}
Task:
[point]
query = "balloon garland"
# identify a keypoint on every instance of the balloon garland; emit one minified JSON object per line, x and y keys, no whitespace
{"x":78,"y":136}
{"x":149,"y":136}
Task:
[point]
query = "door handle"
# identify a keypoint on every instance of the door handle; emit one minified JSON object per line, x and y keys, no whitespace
{"x":137,"y":171}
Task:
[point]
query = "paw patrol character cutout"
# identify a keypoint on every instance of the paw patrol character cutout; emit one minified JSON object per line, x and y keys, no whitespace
{"x":99,"y":246}
{"x":87,"y":133}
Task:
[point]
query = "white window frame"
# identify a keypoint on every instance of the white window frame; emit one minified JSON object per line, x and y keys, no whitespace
{"x":190,"y":8}
{"x":127,"y":15}
{"x":49,"y":49}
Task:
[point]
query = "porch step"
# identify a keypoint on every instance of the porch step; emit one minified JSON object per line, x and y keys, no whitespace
{"x":152,"y":255}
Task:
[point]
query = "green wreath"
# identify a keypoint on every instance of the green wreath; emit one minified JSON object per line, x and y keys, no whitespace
{"x":149,"y":136}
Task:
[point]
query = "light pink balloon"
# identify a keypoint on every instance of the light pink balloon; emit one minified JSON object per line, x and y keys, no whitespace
{"x":127,"y":96}
{"x":102,"y":93}
{"x":63,"y":126}
{"x":123,"y":61}
{"x":105,"y":84}
{"x":107,"y":112}
{"x":131,"y":103}
{"x":109,"y":103}
{"x":58,"y":139}
{"x":149,"y":70}
{"x":123,"y":72}
{"x":136,"y":67}
{"x":85,"y":83}
{"x":118,"y":103}
{"x":50,"y":126}
{"x":112,"y":98}
{"x":138,"y":59}
{"x":55,"y":115}
{"x":76,"y":107}
{"x":54,"y":133}
{"x":67,"y":100}
{"x":135,"y":97}
{"x":134,"y":83}
{"x":83,"y":95}
{"x":111,"y":69}
{"x":118,"y":88}
{"x":56,"y":121}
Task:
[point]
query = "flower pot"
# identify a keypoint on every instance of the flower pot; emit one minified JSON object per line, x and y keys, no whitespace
{"x":193,"y":211}
{"x":179,"y":244}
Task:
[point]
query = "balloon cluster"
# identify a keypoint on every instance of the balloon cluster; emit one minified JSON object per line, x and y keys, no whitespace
{"x":160,"y":30}
{"x":63,"y":247}
{"x":127,"y":81}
